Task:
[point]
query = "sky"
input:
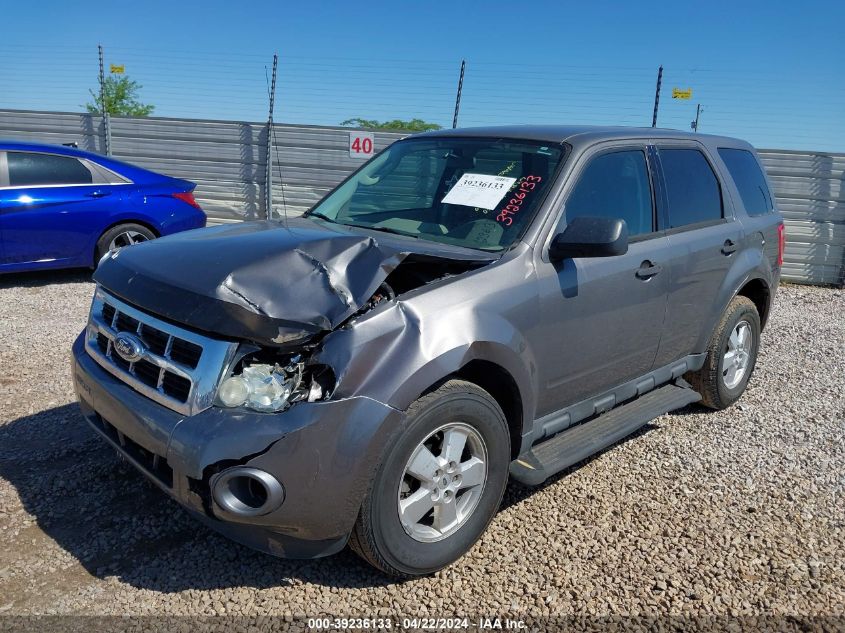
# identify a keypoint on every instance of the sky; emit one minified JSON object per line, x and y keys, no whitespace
{"x":770,"y":72}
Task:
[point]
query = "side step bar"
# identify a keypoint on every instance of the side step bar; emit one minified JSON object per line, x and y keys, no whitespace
{"x":577,"y":443}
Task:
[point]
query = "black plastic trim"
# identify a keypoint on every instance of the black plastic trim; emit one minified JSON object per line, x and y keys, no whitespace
{"x":579,"y":442}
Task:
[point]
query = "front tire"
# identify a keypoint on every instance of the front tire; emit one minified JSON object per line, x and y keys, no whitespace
{"x":731,"y":356}
{"x":440,"y":484}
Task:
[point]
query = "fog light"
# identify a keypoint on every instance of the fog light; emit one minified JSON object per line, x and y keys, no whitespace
{"x":247,"y":491}
{"x":233,"y":392}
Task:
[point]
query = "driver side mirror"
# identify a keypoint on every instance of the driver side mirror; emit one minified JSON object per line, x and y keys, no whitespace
{"x":590,"y":237}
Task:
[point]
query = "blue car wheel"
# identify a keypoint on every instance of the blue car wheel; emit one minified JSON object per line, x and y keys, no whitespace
{"x":121,"y":236}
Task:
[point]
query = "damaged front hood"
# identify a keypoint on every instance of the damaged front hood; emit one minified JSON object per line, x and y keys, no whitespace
{"x":261,"y":281}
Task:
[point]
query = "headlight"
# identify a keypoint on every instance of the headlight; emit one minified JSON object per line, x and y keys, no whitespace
{"x":268,"y":388}
{"x":259,"y":387}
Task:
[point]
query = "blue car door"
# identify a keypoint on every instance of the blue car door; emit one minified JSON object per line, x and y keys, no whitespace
{"x":52,"y":209}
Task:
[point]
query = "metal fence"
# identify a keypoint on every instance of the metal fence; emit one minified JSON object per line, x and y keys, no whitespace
{"x":810,"y":192}
{"x":228,"y":161}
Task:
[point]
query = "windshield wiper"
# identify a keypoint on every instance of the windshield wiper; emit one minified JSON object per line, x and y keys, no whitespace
{"x":385,"y":229}
{"x":317,"y":214}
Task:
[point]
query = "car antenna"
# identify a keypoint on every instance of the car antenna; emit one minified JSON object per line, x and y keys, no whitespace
{"x":271,"y":132}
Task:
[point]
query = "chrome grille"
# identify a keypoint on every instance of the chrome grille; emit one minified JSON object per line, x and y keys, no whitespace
{"x":178,"y":368}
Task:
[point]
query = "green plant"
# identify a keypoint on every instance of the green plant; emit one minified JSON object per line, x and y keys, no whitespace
{"x":121,"y":97}
{"x":414,"y":125}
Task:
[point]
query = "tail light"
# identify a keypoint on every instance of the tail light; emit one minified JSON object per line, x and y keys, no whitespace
{"x":187,"y":196}
{"x":781,"y":243}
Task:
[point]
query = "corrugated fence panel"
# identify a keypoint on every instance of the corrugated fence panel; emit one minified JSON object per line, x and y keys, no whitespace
{"x":810,"y":193}
{"x":310,"y":162}
{"x":54,"y":127}
{"x":227,"y":160}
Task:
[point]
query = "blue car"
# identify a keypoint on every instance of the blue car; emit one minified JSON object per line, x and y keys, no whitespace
{"x":61,"y":207}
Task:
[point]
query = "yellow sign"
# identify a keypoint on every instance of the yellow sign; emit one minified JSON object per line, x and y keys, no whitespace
{"x":117,"y":70}
{"x":678,"y":93}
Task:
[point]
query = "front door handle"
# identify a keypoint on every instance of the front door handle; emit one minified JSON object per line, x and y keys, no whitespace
{"x":98,"y":194}
{"x":647,"y":270}
{"x":729,"y":247}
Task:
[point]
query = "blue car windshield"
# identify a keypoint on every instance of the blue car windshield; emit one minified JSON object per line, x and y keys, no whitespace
{"x":473,"y":192}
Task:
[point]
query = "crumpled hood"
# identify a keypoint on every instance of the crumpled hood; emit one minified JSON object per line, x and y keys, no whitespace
{"x":258,"y":280}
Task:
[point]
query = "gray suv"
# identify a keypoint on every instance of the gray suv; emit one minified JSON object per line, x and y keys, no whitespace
{"x":470,"y":305}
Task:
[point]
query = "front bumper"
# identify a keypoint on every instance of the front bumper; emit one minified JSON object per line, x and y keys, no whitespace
{"x":324,"y":453}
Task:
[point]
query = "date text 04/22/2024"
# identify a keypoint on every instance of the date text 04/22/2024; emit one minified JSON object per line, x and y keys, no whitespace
{"x":417,"y":624}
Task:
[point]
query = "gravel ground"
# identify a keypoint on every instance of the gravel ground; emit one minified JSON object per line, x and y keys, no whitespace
{"x":732,"y":513}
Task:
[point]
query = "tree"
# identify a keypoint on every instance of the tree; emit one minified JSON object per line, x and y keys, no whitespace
{"x":121,"y":95}
{"x":414,"y":125}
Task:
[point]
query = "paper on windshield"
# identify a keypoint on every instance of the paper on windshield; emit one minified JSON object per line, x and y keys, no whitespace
{"x":479,"y":190}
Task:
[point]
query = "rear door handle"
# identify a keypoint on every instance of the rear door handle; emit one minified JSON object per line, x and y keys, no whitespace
{"x":647,"y":270}
{"x":729,"y":247}
{"x":98,"y":194}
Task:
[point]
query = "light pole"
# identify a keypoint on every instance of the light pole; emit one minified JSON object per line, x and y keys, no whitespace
{"x":694,"y":124}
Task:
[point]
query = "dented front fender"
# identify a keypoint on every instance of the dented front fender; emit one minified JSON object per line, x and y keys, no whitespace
{"x":398,"y":351}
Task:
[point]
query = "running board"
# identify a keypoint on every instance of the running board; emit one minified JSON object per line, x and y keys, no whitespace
{"x":577,"y":443}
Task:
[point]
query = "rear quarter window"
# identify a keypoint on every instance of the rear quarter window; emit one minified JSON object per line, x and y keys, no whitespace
{"x":749,"y":180}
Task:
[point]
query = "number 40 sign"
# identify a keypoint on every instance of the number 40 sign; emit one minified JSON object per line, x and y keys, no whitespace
{"x":360,"y":144}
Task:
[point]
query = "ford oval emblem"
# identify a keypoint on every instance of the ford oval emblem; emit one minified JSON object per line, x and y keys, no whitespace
{"x":129,"y":347}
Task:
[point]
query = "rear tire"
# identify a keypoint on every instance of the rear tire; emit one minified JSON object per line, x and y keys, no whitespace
{"x":414,"y":522}
{"x":121,"y":235}
{"x":731,"y":356}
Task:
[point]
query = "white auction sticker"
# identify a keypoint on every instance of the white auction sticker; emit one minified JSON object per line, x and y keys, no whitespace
{"x":479,"y":190}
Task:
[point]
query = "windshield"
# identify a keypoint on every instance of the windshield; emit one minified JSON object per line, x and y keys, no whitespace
{"x":478,"y":193}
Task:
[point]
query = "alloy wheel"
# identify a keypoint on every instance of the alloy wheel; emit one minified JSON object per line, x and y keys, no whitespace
{"x":443,"y":482}
{"x":127,"y":238}
{"x":737,"y":356}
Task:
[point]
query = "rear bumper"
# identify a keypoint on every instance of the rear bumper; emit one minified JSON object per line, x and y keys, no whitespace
{"x":186,"y":219}
{"x":324,"y":454}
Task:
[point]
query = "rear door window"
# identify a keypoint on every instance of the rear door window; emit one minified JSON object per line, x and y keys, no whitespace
{"x":29,"y":169}
{"x":692,"y":188}
{"x":615,"y":185}
{"x":749,"y":180}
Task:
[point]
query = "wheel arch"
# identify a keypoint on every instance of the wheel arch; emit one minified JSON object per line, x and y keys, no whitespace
{"x":128,"y":220}
{"x":495,"y":369}
{"x":502,"y":387}
{"x":758,"y":291}
{"x":750,"y":276}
